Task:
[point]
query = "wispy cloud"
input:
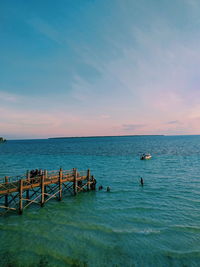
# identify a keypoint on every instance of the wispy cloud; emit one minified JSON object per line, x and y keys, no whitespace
{"x":43,"y":27}
{"x":132,"y":127}
{"x":7,"y":97}
{"x":173,"y":122}
{"x":105,"y":116}
{"x":35,"y":123}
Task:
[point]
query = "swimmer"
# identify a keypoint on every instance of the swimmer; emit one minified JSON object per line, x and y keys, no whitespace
{"x":108,"y":189}
{"x":100,"y":187}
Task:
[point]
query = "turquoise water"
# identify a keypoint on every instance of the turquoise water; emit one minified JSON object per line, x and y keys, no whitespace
{"x":154,"y":225}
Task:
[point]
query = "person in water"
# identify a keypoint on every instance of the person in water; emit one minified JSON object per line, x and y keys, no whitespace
{"x":93,"y":184}
{"x":108,"y":189}
{"x":141,"y":181}
{"x":100,"y":187}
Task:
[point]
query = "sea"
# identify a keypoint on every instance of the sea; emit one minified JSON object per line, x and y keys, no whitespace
{"x":157,"y":224}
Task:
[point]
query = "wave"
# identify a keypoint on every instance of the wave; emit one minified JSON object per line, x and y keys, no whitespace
{"x":187,"y":228}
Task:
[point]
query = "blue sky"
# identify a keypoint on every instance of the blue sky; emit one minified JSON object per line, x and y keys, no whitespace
{"x":99,"y":67}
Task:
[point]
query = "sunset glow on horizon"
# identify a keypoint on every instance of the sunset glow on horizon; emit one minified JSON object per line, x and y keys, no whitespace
{"x":99,"y":68}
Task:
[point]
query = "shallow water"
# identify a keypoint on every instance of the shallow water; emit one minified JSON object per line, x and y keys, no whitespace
{"x":154,"y":225}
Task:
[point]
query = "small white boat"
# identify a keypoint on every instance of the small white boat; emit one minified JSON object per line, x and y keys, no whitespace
{"x":145,"y":156}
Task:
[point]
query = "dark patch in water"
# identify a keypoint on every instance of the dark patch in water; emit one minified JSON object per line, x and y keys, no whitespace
{"x":8,"y":259}
{"x":43,"y":262}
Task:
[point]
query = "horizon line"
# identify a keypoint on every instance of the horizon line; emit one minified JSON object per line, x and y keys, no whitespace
{"x":101,"y":136}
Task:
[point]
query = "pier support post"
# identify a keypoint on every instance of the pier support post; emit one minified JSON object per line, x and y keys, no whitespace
{"x":28,"y":180}
{"x":6,"y":196}
{"x":60,"y":184}
{"x":45,"y":178}
{"x":88,"y":179}
{"x":75,"y":181}
{"x":20,"y":196}
{"x":42,"y":189}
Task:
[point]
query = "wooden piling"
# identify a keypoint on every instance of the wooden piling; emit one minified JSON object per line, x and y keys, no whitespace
{"x":20,"y":196}
{"x":60,"y":184}
{"x":42,"y":189}
{"x":45,"y":178}
{"x":75,"y":181}
{"x":28,"y":180}
{"x":6,"y":196}
{"x":88,"y":179}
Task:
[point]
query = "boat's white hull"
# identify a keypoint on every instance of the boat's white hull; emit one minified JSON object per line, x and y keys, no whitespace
{"x":146,"y":157}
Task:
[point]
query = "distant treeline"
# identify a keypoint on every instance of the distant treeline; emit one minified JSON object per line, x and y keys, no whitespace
{"x":2,"y":140}
{"x":104,"y":136}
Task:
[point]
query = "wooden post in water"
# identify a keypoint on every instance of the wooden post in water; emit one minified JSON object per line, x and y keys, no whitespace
{"x":28,"y":180}
{"x":60,"y":184}
{"x":42,"y":189}
{"x":45,"y":178}
{"x":6,"y":196}
{"x":75,"y":181}
{"x":88,"y":179}
{"x":20,"y":196}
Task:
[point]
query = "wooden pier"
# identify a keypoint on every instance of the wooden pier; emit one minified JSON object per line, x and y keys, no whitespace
{"x":18,"y":193}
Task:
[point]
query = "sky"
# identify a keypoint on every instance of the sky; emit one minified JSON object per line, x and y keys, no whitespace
{"x":99,"y":67}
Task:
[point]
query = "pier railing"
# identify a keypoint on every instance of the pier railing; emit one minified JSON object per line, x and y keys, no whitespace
{"x":19,"y":192}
